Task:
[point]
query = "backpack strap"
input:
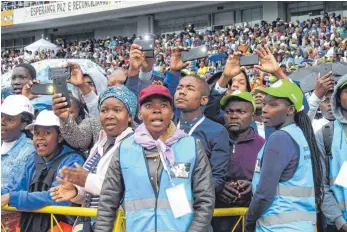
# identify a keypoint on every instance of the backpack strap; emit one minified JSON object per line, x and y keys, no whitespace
{"x":46,"y":174}
{"x":328,"y":131}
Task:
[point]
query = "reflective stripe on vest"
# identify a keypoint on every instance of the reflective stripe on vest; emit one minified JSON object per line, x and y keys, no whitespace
{"x":294,"y":191}
{"x":293,"y":206}
{"x":147,"y":204}
{"x":285,"y":218}
{"x":146,"y":209}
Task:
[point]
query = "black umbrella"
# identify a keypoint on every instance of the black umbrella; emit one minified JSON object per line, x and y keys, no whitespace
{"x":308,"y":76}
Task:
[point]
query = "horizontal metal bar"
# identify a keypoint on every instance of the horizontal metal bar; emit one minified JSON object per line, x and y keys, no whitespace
{"x":92,"y":212}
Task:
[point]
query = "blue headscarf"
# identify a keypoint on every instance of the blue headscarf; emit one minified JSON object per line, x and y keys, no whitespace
{"x":123,"y":94}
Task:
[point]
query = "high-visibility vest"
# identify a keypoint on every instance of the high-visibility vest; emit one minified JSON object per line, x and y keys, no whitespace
{"x":339,"y":155}
{"x":145,"y":209}
{"x":293,"y":206}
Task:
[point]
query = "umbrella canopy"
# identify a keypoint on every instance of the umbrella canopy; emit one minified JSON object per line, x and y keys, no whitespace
{"x":41,"y":44}
{"x":308,"y":76}
{"x":42,"y":67}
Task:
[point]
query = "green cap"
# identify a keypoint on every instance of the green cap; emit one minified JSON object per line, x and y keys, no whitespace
{"x":343,"y":85}
{"x":239,"y":94}
{"x":286,"y":89}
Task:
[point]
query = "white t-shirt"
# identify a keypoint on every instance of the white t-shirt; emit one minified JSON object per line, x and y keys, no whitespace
{"x":5,"y":147}
{"x":317,"y":124}
{"x":261,"y":129}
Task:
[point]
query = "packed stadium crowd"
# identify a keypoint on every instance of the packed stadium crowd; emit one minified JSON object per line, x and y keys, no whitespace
{"x":11,"y":5}
{"x":169,"y":141}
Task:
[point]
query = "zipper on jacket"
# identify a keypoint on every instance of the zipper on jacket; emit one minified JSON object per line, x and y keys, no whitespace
{"x":153,"y":188}
{"x":234,"y":148}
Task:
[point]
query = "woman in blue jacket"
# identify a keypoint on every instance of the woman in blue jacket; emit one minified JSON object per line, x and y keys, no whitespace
{"x":16,"y":145}
{"x":30,"y":191}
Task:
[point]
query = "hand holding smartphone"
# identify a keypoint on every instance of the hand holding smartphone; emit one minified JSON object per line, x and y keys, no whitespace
{"x":147,"y":46}
{"x":59,"y":77}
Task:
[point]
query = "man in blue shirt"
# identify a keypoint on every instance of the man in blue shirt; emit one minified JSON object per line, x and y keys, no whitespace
{"x":191,"y":95}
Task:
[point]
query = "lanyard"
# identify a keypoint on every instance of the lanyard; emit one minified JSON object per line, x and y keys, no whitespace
{"x":194,"y":127}
{"x":165,"y":166}
{"x":343,"y":131}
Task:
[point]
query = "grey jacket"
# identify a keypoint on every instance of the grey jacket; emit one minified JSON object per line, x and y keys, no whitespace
{"x":82,"y":136}
{"x":113,"y":191}
{"x":329,"y":206}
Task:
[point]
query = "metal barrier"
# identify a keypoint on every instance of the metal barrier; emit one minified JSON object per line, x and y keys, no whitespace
{"x":119,"y":225}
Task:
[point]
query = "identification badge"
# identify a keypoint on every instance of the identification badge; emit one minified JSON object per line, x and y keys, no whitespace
{"x":180,"y":170}
{"x":257,"y":166}
{"x":178,"y":201}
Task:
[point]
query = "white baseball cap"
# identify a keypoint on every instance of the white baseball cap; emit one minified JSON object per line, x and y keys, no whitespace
{"x":16,"y":104}
{"x":45,"y":118}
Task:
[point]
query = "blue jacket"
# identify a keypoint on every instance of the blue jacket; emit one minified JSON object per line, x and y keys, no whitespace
{"x":15,"y":159}
{"x":19,"y":195}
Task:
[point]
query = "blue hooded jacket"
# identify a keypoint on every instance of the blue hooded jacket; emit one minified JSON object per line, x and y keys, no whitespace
{"x":24,"y":200}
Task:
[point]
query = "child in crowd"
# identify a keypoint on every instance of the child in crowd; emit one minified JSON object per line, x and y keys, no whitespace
{"x":30,"y":190}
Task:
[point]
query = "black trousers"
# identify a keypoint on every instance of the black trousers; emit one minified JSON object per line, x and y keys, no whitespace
{"x":332,"y":229}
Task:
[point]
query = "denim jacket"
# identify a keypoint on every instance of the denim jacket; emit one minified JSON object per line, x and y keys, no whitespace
{"x":15,"y":159}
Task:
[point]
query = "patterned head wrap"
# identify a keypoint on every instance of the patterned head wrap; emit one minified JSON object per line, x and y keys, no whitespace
{"x":123,"y":94}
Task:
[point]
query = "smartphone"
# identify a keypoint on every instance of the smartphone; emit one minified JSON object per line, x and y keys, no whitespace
{"x":194,"y":53}
{"x":42,"y":89}
{"x":59,"y":77}
{"x":249,"y":60}
{"x":325,"y":69}
{"x":147,"y":46}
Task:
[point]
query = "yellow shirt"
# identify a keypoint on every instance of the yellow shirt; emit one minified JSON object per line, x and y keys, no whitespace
{"x":202,"y":71}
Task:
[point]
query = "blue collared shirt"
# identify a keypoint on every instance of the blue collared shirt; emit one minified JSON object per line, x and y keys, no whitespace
{"x":215,"y":139}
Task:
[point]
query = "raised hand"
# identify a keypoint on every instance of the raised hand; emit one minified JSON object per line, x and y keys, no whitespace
{"x":26,"y":91}
{"x":323,"y":85}
{"x":137,"y":59}
{"x":232,"y":67}
{"x":176,"y":63}
{"x":59,"y":106}
{"x":268,"y":62}
{"x":63,"y":192}
{"x":77,"y":78}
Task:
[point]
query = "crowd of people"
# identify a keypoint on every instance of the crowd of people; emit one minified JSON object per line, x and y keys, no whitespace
{"x":12,"y":5}
{"x":170,"y":150}
{"x":294,"y":45}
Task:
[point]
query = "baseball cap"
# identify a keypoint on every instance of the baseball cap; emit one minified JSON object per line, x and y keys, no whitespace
{"x":17,"y":104}
{"x":154,"y":90}
{"x":343,"y":85}
{"x":45,"y":118}
{"x":238,"y":94}
{"x":286,"y":89}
